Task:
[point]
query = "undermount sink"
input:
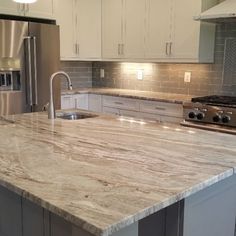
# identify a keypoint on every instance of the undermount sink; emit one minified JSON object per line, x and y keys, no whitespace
{"x":74,"y":115}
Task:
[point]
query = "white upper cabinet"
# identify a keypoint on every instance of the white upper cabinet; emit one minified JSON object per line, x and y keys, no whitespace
{"x":173,"y":35}
{"x":158,"y":27}
{"x":40,"y":9}
{"x":89,"y":28}
{"x":134,"y":28}
{"x":191,"y":41}
{"x":10,"y":7}
{"x":123,"y":29}
{"x":112,"y":29}
{"x":80,"y":29}
{"x":156,"y":30}
{"x":66,"y":20}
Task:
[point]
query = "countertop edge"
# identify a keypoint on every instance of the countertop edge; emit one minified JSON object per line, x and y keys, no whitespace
{"x":126,"y":221}
{"x":151,"y":210}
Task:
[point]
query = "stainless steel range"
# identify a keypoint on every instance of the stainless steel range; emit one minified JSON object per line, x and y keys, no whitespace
{"x":216,"y":113}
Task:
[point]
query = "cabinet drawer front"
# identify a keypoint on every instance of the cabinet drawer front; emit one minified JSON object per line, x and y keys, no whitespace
{"x":122,"y":103}
{"x":132,"y":114}
{"x":162,"y":108}
{"x":171,"y":119}
{"x":67,"y":102}
{"x":111,"y":110}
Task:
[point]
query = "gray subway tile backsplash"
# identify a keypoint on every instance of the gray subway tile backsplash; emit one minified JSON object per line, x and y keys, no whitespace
{"x":80,"y":73}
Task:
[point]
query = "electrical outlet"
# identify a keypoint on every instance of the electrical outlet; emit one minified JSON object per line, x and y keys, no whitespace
{"x":140,"y":74}
{"x":187,"y":77}
{"x":102,"y":73}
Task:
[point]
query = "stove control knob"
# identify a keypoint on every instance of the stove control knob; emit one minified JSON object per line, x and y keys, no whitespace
{"x":191,"y":115}
{"x":226,"y":119}
{"x":216,"y":118}
{"x":200,"y":116}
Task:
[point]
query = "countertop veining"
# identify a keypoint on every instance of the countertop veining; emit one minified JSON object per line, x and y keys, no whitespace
{"x":145,"y":95}
{"x":103,"y":174}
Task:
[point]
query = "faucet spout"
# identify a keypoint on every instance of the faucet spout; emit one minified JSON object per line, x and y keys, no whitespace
{"x":51,"y":110}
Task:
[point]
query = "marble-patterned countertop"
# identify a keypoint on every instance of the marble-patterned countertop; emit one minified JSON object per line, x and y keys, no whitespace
{"x":105,"y":173}
{"x":145,"y":95}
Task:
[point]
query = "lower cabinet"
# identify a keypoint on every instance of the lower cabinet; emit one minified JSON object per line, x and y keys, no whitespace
{"x":67,"y":102}
{"x":166,"y":222}
{"x":95,"y":103}
{"x":10,"y":213}
{"x":81,"y":101}
{"x":212,"y":212}
{"x":129,"y":107}
{"x":77,"y":101}
{"x":33,"y":219}
{"x":21,"y":217}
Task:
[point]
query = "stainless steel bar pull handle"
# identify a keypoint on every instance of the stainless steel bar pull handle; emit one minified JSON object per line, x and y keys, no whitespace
{"x":170,"y":48}
{"x":118,"y":49}
{"x":30,"y":92}
{"x":167,"y":48}
{"x":122,"y":49}
{"x":35,"y":72}
{"x":76,"y":48}
{"x":78,"y":51}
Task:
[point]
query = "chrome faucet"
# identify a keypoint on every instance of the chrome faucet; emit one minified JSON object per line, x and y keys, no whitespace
{"x":51,"y":110}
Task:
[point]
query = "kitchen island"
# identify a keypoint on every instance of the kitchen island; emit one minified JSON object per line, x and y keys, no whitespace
{"x":106,"y":174}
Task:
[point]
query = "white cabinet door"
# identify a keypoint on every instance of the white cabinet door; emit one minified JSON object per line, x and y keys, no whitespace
{"x":65,"y":17}
{"x":81,"y":101}
{"x":134,"y":28}
{"x":186,"y":31}
{"x":42,"y":9}
{"x":112,"y":28}
{"x":173,"y":35}
{"x":89,"y":28}
{"x":158,"y":28}
{"x":11,"y":8}
{"x":67,"y":102}
{"x":95,"y":103}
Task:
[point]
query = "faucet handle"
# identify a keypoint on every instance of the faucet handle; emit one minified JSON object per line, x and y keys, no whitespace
{"x":45,"y":107}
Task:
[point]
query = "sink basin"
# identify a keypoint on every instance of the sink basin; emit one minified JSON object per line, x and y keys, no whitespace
{"x":74,"y":115}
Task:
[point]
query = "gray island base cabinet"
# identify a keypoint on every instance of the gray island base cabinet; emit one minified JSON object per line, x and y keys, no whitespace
{"x":210,"y":212}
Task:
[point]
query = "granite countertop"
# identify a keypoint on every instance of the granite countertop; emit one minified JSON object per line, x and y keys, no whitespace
{"x":104,"y":173}
{"x":146,"y":95}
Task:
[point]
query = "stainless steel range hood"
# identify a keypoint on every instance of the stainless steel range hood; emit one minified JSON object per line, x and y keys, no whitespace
{"x":223,"y":12}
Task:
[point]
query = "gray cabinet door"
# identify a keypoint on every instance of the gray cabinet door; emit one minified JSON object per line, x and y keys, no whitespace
{"x":60,"y":227}
{"x":32,"y":219}
{"x":212,"y":211}
{"x":10,"y":213}
{"x":167,"y":222}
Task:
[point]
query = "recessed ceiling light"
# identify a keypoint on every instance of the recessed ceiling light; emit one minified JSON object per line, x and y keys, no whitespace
{"x":25,"y":1}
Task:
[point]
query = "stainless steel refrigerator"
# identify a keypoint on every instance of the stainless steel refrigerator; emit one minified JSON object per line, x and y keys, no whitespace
{"x":29,"y":54}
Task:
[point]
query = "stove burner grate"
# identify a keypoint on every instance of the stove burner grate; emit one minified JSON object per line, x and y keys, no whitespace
{"x":226,"y":101}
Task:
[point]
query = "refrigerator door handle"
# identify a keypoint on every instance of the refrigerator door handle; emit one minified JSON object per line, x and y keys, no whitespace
{"x":35,"y":72}
{"x":29,"y":66}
